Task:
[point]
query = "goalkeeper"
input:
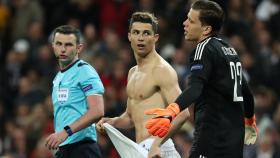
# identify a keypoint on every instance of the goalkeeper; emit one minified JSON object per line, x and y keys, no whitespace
{"x":223,"y":103}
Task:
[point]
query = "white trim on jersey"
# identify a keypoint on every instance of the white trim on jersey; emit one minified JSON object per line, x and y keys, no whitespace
{"x":199,"y":49}
{"x":218,"y":38}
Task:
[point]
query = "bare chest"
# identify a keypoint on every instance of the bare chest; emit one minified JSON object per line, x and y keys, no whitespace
{"x":141,"y":86}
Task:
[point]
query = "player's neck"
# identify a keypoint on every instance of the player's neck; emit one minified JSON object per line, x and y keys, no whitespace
{"x":64,"y":66}
{"x":202,"y":38}
{"x":143,"y":61}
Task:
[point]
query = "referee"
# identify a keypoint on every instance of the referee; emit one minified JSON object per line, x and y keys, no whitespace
{"x":77,"y":99}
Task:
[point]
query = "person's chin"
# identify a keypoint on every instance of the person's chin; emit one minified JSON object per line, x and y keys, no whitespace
{"x":187,"y":38}
{"x":65,"y":61}
{"x":142,"y":53}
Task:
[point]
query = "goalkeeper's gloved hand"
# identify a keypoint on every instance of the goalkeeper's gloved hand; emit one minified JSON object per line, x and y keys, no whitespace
{"x":251,"y":130}
{"x":159,"y":125}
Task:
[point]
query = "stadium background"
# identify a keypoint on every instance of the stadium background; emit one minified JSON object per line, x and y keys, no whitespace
{"x":27,"y":63}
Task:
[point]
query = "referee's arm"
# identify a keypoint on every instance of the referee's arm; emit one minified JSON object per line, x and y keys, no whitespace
{"x":94,"y":113}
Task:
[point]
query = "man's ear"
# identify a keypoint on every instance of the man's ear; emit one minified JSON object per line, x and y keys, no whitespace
{"x":207,"y":30}
{"x":80,"y":48}
{"x":129,"y":37}
{"x":156,"y":37}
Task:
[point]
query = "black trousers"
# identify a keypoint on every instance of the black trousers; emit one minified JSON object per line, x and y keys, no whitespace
{"x":81,"y":149}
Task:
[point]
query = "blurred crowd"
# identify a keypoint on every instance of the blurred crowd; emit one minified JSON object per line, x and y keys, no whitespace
{"x":27,"y":64}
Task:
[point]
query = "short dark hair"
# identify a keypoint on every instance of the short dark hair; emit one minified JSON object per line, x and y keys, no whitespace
{"x":211,"y":14}
{"x":144,"y":17}
{"x":67,"y":29}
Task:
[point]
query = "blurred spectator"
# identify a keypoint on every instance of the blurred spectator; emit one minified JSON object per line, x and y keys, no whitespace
{"x":35,"y":129}
{"x":276,"y":118}
{"x":92,"y":44}
{"x":35,"y":38}
{"x":101,"y":66}
{"x":274,"y":23}
{"x":126,"y":56}
{"x":114,"y":14}
{"x":266,"y":147}
{"x":24,"y":13}
{"x":40,"y":150}
{"x":272,"y":80}
{"x":15,"y":140}
{"x":46,"y":66}
{"x":22,"y":111}
{"x":86,"y":11}
{"x":179,"y":63}
{"x":27,"y":93}
{"x":265,"y":102}
{"x":2,"y":127}
{"x":266,"y":9}
{"x":4,"y":18}
{"x":239,"y":22}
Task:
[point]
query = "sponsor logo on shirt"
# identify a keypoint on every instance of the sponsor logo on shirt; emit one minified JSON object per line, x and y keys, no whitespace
{"x":197,"y":67}
{"x":88,"y":87}
{"x":62,"y":95}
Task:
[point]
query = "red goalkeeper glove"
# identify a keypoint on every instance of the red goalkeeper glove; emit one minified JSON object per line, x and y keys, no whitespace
{"x":159,"y":125}
{"x":251,"y":130}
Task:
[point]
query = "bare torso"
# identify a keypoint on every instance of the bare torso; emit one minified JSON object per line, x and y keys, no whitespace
{"x":145,"y":93}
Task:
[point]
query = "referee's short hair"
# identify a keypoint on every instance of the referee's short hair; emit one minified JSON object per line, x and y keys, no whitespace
{"x":67,"y":29}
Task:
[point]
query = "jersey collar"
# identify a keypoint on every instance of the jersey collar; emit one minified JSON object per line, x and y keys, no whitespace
{"x":207,"y":38}
{"x":68,"y":67}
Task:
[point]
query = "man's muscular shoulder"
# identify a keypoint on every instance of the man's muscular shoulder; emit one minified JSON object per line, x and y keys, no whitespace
{"x":164,"y":73}
{"x":131,"y":70}
{"x":163,"y":67}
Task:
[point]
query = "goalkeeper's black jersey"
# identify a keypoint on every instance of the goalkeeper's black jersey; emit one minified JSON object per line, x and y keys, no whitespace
{"x":218,"y":90}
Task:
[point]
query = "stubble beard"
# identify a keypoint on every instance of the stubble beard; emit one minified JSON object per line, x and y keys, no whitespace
{"x":64,"y":62}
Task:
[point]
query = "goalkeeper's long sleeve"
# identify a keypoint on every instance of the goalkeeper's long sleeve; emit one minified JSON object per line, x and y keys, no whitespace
{"x":248,"y":100}
{"x":190,"y":94}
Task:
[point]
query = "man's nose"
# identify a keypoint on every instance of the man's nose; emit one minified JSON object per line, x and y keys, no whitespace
{"x":140,"y":37}
{"x":63,"y":48}
{"x":185,"y":23}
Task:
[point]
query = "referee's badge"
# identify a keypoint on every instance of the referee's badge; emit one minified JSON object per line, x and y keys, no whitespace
{"x":62,"y":94}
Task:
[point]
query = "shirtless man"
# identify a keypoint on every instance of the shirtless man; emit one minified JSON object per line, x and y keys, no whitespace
{"x":152,"y":83}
